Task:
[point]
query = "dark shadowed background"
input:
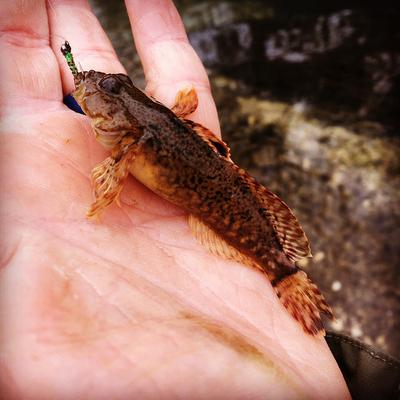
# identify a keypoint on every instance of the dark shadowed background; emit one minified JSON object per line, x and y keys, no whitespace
{"x":309,"y":102}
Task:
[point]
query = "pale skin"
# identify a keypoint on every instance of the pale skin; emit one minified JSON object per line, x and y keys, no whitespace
{"x":131,"y":306}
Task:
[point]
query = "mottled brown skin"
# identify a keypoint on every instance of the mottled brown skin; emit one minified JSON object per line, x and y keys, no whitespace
{"x":168,"y":155}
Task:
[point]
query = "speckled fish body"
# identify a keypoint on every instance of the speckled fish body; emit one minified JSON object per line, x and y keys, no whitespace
{"x":186,"y":164}
{"x":188,"y":172}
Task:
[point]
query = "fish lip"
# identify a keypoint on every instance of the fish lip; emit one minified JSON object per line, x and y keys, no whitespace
{"x":80,"y":89}
{"x":79,"y":78}
{"x":79,"y":96}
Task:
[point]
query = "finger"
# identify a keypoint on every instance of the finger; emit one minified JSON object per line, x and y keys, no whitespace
{"x":28,"y":68}
{"x":74,"y":21}
{"x":169,"y":61}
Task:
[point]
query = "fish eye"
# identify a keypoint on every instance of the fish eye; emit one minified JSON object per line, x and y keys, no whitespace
{"x":125,"y":79}
{"x":110,"y":84}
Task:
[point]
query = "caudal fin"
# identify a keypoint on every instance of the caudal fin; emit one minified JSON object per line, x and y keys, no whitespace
{"x":304,"y":301}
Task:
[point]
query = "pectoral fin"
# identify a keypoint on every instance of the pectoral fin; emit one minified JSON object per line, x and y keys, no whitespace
{"x":107,"y":178}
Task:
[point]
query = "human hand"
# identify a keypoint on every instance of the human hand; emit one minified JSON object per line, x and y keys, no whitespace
{"x":132,"y":306}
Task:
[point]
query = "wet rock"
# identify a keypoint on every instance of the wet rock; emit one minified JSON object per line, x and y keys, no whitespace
{"x":346,"y":60}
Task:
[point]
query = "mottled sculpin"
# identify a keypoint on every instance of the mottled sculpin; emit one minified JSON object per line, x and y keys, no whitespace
{"x":183,"y":162}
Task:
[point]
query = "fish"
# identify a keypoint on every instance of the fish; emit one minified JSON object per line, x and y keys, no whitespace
{"x":230,"y":213}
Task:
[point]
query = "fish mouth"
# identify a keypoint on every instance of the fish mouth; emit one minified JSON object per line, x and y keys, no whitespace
{"x":79,"y":78}
{"x":80,"y":85}
{"x":79,"y":93}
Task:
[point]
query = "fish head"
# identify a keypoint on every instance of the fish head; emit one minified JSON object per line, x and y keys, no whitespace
{"x":102,"y":97}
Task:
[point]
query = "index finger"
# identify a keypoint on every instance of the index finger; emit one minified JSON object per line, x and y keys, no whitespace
{"x":74,"y":21}
{"x":168,"y":59}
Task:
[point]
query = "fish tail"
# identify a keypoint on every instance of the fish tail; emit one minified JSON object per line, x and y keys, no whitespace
{"x":304,"y":301}
{"x":297,"y":292}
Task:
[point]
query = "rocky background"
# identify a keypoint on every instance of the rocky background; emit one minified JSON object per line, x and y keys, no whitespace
{"x":309,"y":101}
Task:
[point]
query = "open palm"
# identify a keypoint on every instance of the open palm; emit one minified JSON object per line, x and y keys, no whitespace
{"x":129,"y":307}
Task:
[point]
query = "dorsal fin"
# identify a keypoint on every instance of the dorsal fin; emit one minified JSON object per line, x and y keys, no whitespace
{"x":186,"y":102}
{"x":290,"y":234}
{"x":218,"y":145}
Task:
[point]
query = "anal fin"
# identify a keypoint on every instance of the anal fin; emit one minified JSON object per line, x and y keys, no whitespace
{"x":215,"y":244}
